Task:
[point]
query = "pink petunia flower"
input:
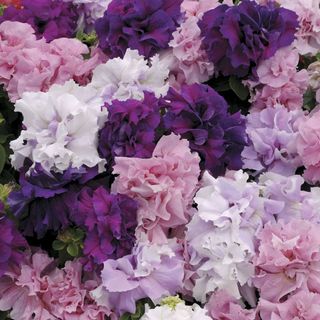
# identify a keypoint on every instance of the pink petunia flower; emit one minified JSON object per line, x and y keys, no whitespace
{"x":302,"y":305}
{"x":308,"y":145}
{"x":288,"y":259}
{"x":222,"y":306}
{"x":163,"y":186}
{"x":28,"y":64}
{"x":40,"y":291}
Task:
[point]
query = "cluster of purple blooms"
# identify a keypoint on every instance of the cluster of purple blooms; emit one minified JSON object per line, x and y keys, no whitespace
{"x":50,"y":19}
{"x":167,"y":162}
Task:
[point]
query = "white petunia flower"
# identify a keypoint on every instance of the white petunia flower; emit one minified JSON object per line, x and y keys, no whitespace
{"x":61,"y":128}
{"x":127,"y":78}
{"x":94,"y":9}
{"x":221,"y":234}
{"x":178,"y":311}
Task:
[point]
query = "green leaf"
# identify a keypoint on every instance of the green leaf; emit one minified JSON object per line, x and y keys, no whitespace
{"x":221,"y":87}
{"x":77,"y":235}
{"x":238,"y":88}
{"x":2,"y":8}
{"x":87,"y":38}
{"x":4,"y":137}
{"x":3,"y":158}
{"x":4,"y":315}
{"x":58,"y":245}
{"x":309,"y":100}
{"x":73,"y":250}
{"x":140,"y":310}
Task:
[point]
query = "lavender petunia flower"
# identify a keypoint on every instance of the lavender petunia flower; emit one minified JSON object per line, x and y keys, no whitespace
{"x":236,"y":38}
{"x":273,"y":137}
{"x":287,"y":200}
{"x":137,"y":24}
{"x":51,"y":19}
{"x":200,"y":115}
{"x":130,"y":129}
{"x":110,"y":220}
{"x":152,"y":271}
{"x":42,"y":203}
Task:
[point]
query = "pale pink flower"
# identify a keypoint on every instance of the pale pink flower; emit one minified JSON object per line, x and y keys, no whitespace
{"x":308,"y":146}
{"x":70,"y":298}
{"x":290,"y":95}
{"x":163,"y":185}
{"x":40,"y":291}
{"x":308,"y":35}
{"x":197,"y":8}
{"x":280,"y":82}
{"x":222,"y":306}
{"x":302,"y":305}
{"x":279,"y":69}
{"x":288,"y":259}
{"x":24,"y":291}
{"x":28,"y":64}
{"x":190,"y":61}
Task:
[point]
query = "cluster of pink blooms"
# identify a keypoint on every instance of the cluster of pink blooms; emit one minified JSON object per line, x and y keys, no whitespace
{"x":41,"y":291}
{"x":163,"y":186}
{"x":287,"y":265}
{"x":31,"y":64}
{"x":279,"y":82}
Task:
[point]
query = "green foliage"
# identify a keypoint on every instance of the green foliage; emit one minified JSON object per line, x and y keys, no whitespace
{"x":4,"y":315}
{"x":10,"y":127}
{"x":2,"y":8}
{"x":3,"y":157}
{"x":73,"y":249}
{"x":309,"y":100}
{"x":140,"y":310}
{"x":238,"y":88}
{"x":69,"y":244}
{"x":222,"y":85}
{"x":89,"y":39}
{"x":5,"y":190}
{"x":305,"y":61}
{"x":58,"y":245}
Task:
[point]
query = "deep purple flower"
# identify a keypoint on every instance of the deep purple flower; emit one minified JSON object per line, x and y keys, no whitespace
{"x":43,"y":202}
{"x":236,"y":38}
{"x":12,"y":243}
{"x":51,"y":19}
{"x":110,"y":220}
{"x":200,"y":115}
{"x":130,"y":129}
{"x":137,"y":24}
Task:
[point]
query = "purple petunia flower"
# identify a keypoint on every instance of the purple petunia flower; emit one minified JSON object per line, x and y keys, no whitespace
{"x":200,"y":115}
{"x":11,"y":243}
{"x":236,"y":38}
{"x":130,"y":129}
{"x":137,"y":24}
{"x":51,"y":19}
{"x":110,"y":220}
{"x":43,"y":202}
